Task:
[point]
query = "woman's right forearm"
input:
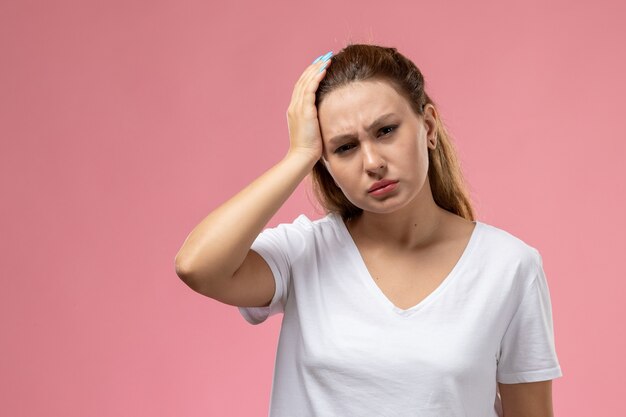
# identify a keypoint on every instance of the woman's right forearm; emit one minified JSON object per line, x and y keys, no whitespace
{"x":219,"y":244}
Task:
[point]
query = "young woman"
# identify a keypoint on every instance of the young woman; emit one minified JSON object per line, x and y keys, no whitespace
{"x":397,"y":302}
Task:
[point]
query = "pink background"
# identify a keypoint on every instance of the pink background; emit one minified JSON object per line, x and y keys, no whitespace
{"x":124,"y":123}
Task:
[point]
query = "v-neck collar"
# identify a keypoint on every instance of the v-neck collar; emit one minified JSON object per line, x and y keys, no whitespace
{"x":375,"y":289}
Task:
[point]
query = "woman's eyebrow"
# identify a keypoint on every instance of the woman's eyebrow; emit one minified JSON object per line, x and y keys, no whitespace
{"x":339,"y":138}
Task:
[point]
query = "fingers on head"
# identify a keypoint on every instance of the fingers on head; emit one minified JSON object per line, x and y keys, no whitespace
{"x":317,"y":73}
{"x":310,"y":78}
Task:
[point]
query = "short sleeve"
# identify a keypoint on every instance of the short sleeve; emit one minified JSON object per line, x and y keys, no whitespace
{"x":273,"y":245}
{"x":527,"y":350}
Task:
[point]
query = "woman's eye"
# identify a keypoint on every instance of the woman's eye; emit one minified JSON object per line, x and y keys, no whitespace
{"x":342,"y":149}
{"x":388,"y":127}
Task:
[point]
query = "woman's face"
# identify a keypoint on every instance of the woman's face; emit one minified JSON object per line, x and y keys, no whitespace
{"x":370,"y":133}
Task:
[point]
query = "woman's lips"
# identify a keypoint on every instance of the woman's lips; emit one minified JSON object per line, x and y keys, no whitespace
{"x":386,"y":189}
{"x":380,"y":184}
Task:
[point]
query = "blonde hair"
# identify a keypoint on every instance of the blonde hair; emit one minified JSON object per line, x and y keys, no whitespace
{"x":360,"y":62}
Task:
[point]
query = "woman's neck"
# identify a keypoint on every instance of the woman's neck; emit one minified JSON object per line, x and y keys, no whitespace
{"x":396,"y":231}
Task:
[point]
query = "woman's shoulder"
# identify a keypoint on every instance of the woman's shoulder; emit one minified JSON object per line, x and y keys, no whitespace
{"x":305,"y":234}
{"x":501,"y":242}
{"x":307,"y":225}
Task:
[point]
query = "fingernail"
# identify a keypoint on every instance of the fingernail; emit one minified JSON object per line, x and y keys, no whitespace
{"x":327,"y":56}
{"x":318,"y":58}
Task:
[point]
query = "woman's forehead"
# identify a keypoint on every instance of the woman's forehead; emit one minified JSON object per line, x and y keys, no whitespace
{"x":356,"y":89}
{"x":361,"y":102}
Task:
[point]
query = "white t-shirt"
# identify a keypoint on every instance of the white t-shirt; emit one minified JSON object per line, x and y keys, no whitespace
{"x":346,"y":350}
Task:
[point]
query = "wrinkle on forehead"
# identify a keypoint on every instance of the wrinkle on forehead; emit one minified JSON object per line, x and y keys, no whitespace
{"x":348,"y":111}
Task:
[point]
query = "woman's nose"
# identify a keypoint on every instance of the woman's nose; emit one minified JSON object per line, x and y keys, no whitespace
{"x":372,"y":159}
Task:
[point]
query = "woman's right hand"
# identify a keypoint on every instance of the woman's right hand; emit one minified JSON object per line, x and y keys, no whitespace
{"x":302,"y":121}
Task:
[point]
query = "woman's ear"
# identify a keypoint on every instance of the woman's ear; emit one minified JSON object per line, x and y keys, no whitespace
{"x":430,"y":118}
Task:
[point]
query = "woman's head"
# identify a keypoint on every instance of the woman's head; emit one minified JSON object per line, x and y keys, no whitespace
{"x":411,"y":145}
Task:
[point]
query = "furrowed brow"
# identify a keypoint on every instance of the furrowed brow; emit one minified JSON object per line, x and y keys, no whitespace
{"x":339,"y":138}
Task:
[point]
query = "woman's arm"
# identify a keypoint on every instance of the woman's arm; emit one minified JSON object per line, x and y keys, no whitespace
{"x":217,"y":247}
{"x":531,"y":399}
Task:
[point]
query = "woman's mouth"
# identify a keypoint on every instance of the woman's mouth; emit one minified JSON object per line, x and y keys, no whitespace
{"x":390,"y":186}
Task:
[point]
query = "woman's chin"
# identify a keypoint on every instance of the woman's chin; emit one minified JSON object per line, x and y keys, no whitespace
{"x":388,"y":205}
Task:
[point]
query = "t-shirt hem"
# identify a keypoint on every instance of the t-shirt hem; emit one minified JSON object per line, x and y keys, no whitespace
{"x":530,"y":376}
